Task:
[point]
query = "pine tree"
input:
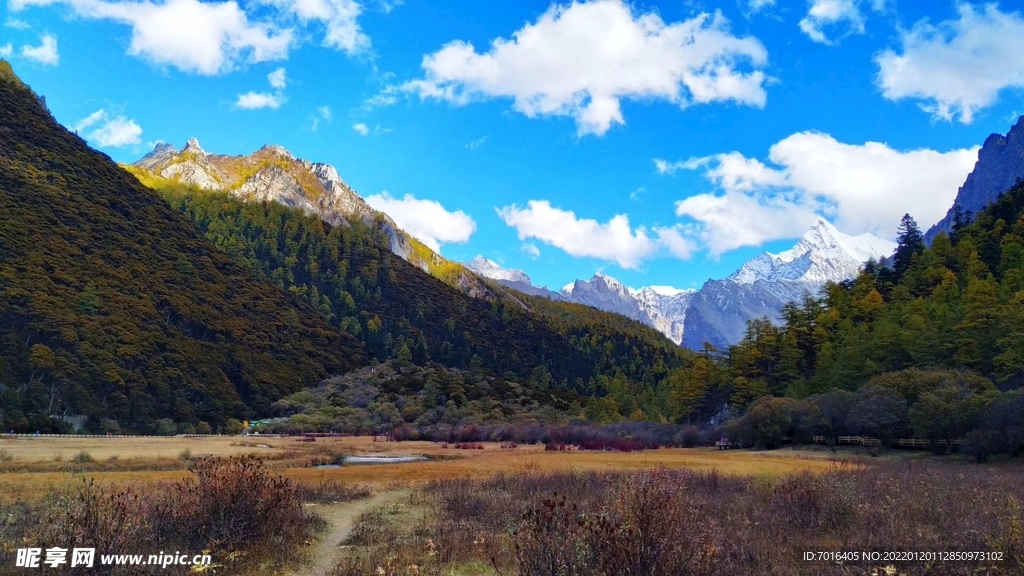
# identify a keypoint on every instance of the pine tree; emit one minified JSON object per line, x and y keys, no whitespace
{"x":909,"y":243}
{"x":961,"y":218}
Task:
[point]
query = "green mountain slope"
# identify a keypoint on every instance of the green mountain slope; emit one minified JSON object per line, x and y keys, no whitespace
{"x":350,"y":274}
{"x":113,"y":306}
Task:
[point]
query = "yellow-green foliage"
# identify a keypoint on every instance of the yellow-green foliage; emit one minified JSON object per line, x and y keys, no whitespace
{"x":7,"y":73}
{"x":144,"y":176}
{"x":439,"y":267}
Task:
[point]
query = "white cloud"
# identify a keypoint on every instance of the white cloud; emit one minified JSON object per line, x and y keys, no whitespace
{"x":46,"y":53}
{"x":614,"y":241}
{"x":531,"y":250}
{"x":387,"y":97}
{"x":16,"y":24}
{"x":476,"y":143}
{"x":583,"y":59}
{"x":386,"y":6}
{"x":118,"y":131}
{"x":218,"y":36}
{"x":758,"y":5}
{"x":6,"y":50}
{"x":193,"y":36}
{"x":338,"y":17}
{"x":825,"y":13}
{"x":864,"y":188}
{"x":16,"y":5}
{"x":278,"y":79}
{"x":322,"y":113}
{"x":427,"y":220}
{"x":257,"y":100}
{"x":674,"y":240}
{"x":665,"y":167}
{"x":956,"y":67}
{"x":365,"y":130}
{"x":110,"y":132}
{"x":89,"y":120}
{"x":734,"y":220}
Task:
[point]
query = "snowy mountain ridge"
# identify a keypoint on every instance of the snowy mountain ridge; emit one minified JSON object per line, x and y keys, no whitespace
{"x":718,"y":312}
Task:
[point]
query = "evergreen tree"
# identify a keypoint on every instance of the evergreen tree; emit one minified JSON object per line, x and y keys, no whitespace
{"x":961,"y":218}
{"x":909,"y":243}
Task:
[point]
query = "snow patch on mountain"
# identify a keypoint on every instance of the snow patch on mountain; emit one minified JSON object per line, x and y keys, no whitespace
{"x":491,"y":269}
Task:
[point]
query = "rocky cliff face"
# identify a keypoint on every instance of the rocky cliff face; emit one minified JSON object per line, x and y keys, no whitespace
{"x":1000,"y":164}
{"x":608,"y":294}
{"x":660,"y":308}
{"x":667,"y":309}
{"x":274,"y":174}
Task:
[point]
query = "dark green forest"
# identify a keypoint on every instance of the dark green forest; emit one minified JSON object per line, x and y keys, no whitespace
{"x":113,"y":307}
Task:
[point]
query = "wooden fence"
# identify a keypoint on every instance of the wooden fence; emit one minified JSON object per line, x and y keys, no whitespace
{"x":902,"y":442}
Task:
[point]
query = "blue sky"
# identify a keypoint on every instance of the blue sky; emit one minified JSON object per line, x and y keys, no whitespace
{"x":662,"y":143}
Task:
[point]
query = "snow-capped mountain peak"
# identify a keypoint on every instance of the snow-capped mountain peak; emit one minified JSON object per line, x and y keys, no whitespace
{"x":823,"y":254}
{"x":491,"y":269}
{"x":609,"y":282}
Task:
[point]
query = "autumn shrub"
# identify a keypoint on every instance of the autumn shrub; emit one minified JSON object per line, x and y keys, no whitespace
{"x":468,"y":446}
{"x":234,"y":505}
{"x":647,"y":526}
{"x":688,"y":437}
{"x":707,"y":524}
{"x":87,"y":515}
{"x":551,"y":540}
{"x":235,"y":509}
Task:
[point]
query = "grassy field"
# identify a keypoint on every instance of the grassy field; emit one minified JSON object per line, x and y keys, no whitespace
{"x":29,"y":466}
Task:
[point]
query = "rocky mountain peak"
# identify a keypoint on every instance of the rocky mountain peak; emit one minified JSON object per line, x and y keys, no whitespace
{"x":609,"y":282}
{"x":278,"y":150}
{"x":193,"y":146}
{"x":161,"y":153}
{"x":1000,"y":163}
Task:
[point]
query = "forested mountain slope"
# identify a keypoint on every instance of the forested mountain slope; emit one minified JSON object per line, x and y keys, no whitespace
{"x":958,"y":304}
{"x":113,"y":306}
{"x":351,"y":275}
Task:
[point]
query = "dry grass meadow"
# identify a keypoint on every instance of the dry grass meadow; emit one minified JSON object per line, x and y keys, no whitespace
{"x":498,"y":510}
{"x":31,"y":466}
